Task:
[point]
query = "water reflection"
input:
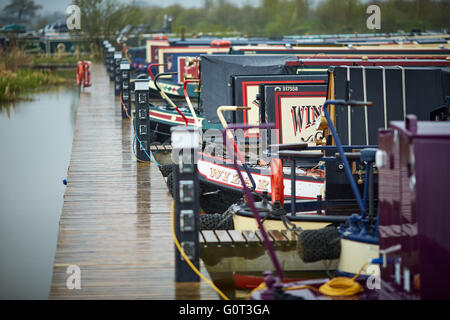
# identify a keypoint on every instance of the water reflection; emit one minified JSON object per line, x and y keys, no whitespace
{"x":35,"y":142}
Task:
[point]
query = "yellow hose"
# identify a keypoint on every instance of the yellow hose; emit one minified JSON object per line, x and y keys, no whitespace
{"x":185,"y":257}
{"x":339,"y":286}
{"x":343,"y":286}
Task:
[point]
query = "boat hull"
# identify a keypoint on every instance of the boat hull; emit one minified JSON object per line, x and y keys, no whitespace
{"x":354,"y":254}
{"x":225,"y":176}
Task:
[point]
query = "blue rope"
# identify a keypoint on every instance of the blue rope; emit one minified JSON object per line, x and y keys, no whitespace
{"x":366,"y":185}
{"x":347,"y":170}
{"x":140,"y":143}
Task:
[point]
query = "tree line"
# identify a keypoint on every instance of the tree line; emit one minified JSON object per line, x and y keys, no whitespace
{"x":264,"y":18}
{"x":271,"y":18}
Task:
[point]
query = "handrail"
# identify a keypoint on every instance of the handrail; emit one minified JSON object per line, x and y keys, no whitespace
{"x":186,"y":96}
{"x":225,"y":124}
{"x":149,"y":69}
{"x":231,"y":138}
{"x":165,"y":97}
{"x":125,"y":53}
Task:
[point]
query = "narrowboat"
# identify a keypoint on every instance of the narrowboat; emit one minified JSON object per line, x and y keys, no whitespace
{"x":405,"y":49}
{"x":318,"y":236}
{"x":410,"y":230}
{"x":394,"y":92}
{"x":171,"y":56}
{"x":296,"y":115}
{"x":244,"y":90}
{"x":356,"y":236}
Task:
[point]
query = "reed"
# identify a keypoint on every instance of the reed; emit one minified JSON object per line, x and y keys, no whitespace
{"x":16,"y":75}
{"x":14,"y":59}
{"x":62,"y":59}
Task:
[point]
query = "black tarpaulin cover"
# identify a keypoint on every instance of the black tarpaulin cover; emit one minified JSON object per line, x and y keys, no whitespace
{"x":446,"y":81}
{"x":216,"y":72}
{"x":424,"y":92}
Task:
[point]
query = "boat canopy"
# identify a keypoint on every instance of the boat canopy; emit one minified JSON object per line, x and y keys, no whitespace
{"x":395,"y":92}
{"x":216,"y":72}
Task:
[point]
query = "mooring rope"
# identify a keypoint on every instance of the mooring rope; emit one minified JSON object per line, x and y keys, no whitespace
{"x":136,"y":137}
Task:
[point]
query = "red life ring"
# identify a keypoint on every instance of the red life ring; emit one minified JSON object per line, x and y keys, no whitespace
{"x":87,"y":74}
{"x":220,"y":43}
{"x":277,"y":180}
{"x":79,"y":73}
{"x":224,"y":43}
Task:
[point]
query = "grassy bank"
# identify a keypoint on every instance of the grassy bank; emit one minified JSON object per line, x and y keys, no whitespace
{"x":17,"y":76}
{"x":60,"y":59}
{"x":14,"y":84}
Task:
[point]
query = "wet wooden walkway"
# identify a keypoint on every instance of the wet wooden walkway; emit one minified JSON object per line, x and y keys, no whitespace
{"x":115,"y":223}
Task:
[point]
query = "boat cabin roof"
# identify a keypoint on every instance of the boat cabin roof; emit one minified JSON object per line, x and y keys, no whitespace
{"x":216,"y":72}
{"x":424,"y":129}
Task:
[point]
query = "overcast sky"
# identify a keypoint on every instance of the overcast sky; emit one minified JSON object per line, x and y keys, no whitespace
{"x":61,"y":5}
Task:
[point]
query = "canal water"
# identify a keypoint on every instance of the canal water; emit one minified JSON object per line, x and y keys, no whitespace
{"x":35,"y":146}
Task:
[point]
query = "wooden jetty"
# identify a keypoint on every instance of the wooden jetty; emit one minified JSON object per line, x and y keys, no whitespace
{"x":244,"y":251}
{"x":115,"y":223}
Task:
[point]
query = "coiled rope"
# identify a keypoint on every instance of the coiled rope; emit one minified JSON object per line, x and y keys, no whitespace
{"x":339,"y":286}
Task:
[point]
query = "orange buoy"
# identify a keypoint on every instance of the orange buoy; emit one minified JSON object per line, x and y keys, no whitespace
{"x":220,"y":43}
{"x":277,"y":181}
{"x":224,"y":43}
{"x":79,"y":73}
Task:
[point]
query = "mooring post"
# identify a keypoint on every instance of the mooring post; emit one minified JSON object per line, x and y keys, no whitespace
{"x":141,"y":119}
{"x":185,"y":146}
{"x":117,"y":77}
{"x":106,"y":46}
{"x":112,"y":66}
{"x":110,"y":62}
{"x":125,"y":91}
{"x":105,"y":54}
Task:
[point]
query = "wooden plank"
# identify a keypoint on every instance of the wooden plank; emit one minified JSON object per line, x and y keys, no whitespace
{"x":115,"y":223}
{"x":210,"y":238}
{"x":201,"y":240}
{"x":261,"y":238}
{"x":254,"y":258}
{"x":251,"y":237}
{"x":237,"y":237}
{"x":247,"y":261}
{"x":223,"y":237}
{"x":277,"y":236}
{"x":290,"y":235}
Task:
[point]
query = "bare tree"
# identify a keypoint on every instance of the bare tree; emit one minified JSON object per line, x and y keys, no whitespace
{"x":22,"y":9}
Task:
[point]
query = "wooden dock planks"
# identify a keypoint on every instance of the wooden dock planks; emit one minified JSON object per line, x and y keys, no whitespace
{"x":244,"y":251}
{"x":115,"y":223}
{"x":240,"y":239}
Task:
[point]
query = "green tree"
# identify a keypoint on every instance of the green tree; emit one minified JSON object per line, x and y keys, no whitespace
{"x":340,"y":16}
{"x":405,"y":15}
{"x":22,"y":9}
{"x":100,"y":19}
{"x":273,"y":18}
